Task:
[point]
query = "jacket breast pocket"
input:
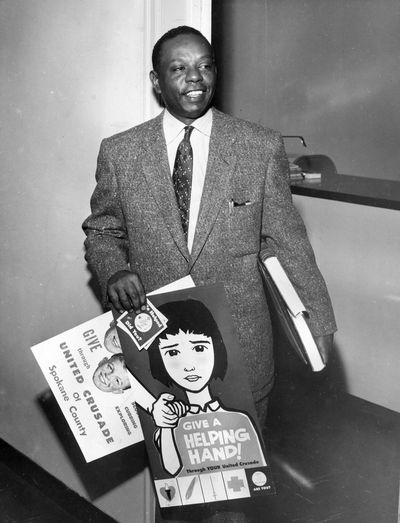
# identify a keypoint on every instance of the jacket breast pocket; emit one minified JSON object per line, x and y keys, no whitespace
{"x":244,"y":228}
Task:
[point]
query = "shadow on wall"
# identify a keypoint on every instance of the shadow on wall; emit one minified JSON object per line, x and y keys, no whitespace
{"x":294,"y":379}
{"x":100,"y":476}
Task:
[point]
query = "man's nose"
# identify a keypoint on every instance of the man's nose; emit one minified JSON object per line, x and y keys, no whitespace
{"x":193,"y":74}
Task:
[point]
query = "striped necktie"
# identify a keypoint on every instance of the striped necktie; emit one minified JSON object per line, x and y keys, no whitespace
{"x":182,"y":177}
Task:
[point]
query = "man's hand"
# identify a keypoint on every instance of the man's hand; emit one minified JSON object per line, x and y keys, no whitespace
{"x":126,"y":292}
{"x":325,"y":346}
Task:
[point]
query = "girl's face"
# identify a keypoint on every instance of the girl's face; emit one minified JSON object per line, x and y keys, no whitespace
{"x":188,"y":359}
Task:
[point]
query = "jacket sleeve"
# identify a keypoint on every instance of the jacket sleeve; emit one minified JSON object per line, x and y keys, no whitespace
{"x":284,"y":235}
{"x":106,"y":236}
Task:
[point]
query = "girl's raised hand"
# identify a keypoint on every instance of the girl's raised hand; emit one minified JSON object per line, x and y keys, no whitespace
{"x":166,"y":412}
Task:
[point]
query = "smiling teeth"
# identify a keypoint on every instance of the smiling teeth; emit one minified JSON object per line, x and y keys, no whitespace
{"x":194,"y":94}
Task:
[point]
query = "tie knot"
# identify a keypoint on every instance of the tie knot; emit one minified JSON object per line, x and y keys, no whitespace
{"x":188,"y":132}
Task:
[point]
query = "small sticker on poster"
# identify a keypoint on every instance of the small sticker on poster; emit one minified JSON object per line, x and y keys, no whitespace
{"x":142,"y":327}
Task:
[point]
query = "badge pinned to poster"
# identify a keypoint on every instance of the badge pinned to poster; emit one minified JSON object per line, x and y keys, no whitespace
{"x":143,"y":327}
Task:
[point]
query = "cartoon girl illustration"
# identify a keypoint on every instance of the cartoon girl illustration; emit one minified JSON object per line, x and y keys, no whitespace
{"x":191,"y":353}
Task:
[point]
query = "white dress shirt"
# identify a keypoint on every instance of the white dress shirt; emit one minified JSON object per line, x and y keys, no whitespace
{"x":200,"y":141}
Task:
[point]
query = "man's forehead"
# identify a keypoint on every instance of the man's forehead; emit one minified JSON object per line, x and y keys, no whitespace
{"x":180,"y":43}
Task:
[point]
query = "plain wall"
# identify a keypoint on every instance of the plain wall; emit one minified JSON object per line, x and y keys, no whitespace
{"x":239,"y":40}
{"x":327,"y":70}
{"x":358,"y":250}
{"x":72,"y":73}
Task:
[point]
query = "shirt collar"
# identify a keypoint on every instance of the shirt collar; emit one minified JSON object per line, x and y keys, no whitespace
{"x":172,"y":126}
{"x":211,"y":406}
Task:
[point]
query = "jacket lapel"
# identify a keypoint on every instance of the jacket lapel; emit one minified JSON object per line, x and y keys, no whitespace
{"x":220,"y":167}
{"x":156,"y":170}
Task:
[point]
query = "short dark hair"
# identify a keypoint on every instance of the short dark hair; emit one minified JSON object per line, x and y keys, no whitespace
{"x":189,"y":316}
{"x":172,"y":33}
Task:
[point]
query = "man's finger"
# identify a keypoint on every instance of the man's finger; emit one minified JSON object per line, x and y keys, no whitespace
{"x":113,"y":298}
{"x":138,"y":292}
{"x":125,"y":300}
{"x":126,"y":291}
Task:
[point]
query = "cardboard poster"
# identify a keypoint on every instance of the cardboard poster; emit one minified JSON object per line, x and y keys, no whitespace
{"x":86,"y":372}
{"x":200,"y":428}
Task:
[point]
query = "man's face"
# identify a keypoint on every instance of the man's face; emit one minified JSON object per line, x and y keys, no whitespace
{"x":112,"y":376}
{"x":186,"y":77}
{"x":189,"y":359}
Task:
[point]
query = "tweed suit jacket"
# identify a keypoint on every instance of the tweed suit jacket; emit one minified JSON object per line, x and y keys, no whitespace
{"x":135,"y":225}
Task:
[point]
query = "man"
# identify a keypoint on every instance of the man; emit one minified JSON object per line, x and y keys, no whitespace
{"x":139,"y":236}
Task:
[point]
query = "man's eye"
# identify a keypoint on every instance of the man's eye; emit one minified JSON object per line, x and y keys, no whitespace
{"x":199,"y":348}
{"x":178,"y":68}
{"x":205,"y":66}
{"x":173,"y":352}
{"x":110,"y":367}
{"x":118,"y":382}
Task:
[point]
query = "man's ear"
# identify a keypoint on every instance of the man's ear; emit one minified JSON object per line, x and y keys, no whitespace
{"x":155,"y":82}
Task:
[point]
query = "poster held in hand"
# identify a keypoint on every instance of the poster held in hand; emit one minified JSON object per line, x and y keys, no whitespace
{"x":202,"y":435}
{"x":85,"y":370}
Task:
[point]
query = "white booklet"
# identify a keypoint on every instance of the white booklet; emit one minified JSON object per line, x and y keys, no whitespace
{"x":291,"y":311}
{"x":86,"y":372}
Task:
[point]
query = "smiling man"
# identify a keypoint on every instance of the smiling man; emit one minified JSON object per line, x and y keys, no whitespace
{"x":197,"y":192}
{"x":184,"y":75}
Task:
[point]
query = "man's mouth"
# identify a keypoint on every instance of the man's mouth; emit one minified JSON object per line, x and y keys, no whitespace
{"x":198,"y":93}
{"x":192,"y":377}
